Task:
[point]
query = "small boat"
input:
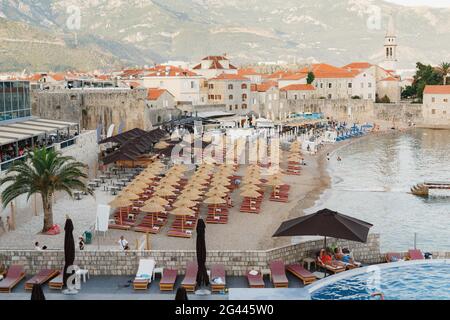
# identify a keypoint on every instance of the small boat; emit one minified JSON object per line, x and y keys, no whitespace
{"x":420,"y":190}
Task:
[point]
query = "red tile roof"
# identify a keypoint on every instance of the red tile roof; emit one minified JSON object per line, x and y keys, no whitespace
{"x":154,"y":93}
{"x":263,"y":87}
{"x":357,"y":65}
{"x":389,"y":79}
{"x":226,"y":76}
{"x":295,"y":76}
{"x":248,"y":72}
{"x":299,"y":87}
{"x":437,"y":89}
{"x":216,"y":65}
{"x":323,"y":70}
{"x":169,"y":71}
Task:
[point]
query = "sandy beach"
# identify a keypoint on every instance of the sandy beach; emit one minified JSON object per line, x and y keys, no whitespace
{"x":244,"y":231}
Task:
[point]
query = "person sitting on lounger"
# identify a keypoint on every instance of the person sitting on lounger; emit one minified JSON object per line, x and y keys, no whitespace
{"x":345,"y":258}
{"x":326,"y":258}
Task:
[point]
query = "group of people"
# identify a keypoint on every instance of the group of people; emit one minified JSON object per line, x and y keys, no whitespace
{"x":337,"y":258}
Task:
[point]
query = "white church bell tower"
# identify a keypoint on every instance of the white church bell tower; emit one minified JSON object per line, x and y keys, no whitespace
{"x":390,"y":46}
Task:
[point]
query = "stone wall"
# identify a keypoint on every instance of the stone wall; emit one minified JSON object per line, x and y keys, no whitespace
{"x":235,"y":262}
{"x":93,"y":107}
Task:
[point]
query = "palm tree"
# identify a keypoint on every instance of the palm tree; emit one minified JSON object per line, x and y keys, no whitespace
{"x":444,"y":68}
{"x":44,"y":172}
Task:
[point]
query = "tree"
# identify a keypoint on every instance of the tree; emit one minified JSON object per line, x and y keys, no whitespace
{"x":425,"y":75}
{"x":44,"y":171}
{"x":310,"y":77}
{"x":409,"y":92}
{"x":385,"y":99}
{"x":444,"y":68}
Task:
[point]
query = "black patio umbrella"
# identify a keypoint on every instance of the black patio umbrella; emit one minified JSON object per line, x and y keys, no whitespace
{"x":37,"y":293}
{"x":202,"y":274}
{"x":326,"y":223}
{"x":181,"y":294}
{"x":69,"y":248}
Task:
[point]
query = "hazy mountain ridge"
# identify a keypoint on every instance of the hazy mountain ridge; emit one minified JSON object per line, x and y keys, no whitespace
{"x":142,"y":32}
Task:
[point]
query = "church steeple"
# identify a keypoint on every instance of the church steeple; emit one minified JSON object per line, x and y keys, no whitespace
{"x":390,"y":46}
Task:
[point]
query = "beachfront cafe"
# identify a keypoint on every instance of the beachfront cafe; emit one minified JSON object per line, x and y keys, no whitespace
{"x":19,"y":136}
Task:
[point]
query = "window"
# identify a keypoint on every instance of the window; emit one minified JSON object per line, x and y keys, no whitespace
{"x":230,"y":87}
{"x":244,"y":86}
{"x":349,"y":85}
{"x":369,"y":84}
{"x":329,"y":96}
{"x":218,"y":97}
{"x":192,"y":85}
{"x":244,"y":106}
{"x":295,"y":97}
{"x":231,"y":107}
{"x":433,"y":111}
{"x":445,"y":100}
{"x":329,"y":85}
{"x":211,"y":86}
{"x":321,"y":85}
{"x":236,"y":107}
{"x":244,"y":97}
{"x":433,"y":99}
{"x":230,"y":97}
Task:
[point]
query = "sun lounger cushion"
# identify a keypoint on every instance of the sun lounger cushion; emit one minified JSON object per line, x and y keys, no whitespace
{"x":145,"y":269}
{"x":13,"y":276}
{"x":169,"y":276}
{"x":415,"y":255}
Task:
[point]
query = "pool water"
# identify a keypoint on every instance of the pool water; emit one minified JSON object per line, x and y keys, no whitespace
{"x":407,"y":281}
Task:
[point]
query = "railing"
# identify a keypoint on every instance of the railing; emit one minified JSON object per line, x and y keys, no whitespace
{"x":68,"y":143}
{"x":6,"y":164}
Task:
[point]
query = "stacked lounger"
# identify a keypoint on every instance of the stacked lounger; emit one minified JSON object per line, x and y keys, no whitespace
{"x":152,"y":223}
{"x":168,"y":279}
{"x":217,"y":214}
{"x":57,"y":283}
{"x":280,"y":194}
{"x":278,"y":274}
{"x":14,"y":275}
{"x":42,"y":277}
{"x":251,"y":205}
{"x":144,"y":274}
{"x":190,"y":278}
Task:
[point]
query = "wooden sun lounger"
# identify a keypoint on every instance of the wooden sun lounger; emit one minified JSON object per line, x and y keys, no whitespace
{"x":57,"y":283}
{"x":304,"y":275}
{"x":255,"y":281}
{"x":144,"y":274}
{"x":278,"y":274}
{"x":14,"y":275}
{"x":147,"y":229}
{"x":190,"y":278}
{"x":119,"y":226}
{"x":218,"y":271}
{"x":415,"y":254}
{"x":178,"y":233}
{"x":42,"y":277}
{"x":331,"y":268}
{"x":168,"y":279}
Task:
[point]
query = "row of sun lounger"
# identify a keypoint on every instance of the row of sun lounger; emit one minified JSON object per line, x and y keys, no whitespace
{"x":16,"y":273}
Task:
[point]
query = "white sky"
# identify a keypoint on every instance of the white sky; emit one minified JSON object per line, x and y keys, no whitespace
{"x":429,"y":3}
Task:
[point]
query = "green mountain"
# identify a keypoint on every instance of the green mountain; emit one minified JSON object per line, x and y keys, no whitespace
{"x":137,"y":32}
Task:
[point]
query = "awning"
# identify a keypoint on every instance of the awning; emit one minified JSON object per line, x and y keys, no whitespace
{"x":214,"y":114}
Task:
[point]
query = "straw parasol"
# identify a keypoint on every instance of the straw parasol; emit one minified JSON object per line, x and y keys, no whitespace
{"x":129,"y":195}
{"x":157,"y":200}
{"x":218,"y":188}
{"x":250,"y":180}
{"x":120,"y":202}
{"x":215,"y":200}
{"x":184,"y":202}
{"x":134,"y":189}
{"x":250,"y":194}
{"x":192,"y":195}
{"x":182,"y":212}
{"x":164,"y":192}
{"x":153,"y":207}
{"x":215,"y":193}
{"x":138,"y":183}
{"x":250,"y":187}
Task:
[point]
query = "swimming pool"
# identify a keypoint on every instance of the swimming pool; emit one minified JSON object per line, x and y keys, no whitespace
{"x":411,"y":280}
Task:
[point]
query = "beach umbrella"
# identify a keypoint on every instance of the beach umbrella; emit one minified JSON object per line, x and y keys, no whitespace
{"x":134,"y":189}
{"x":215,"y":200}
{"x":192,"y":195}
{"x":250,"y":187}
{"x":164,"y":192}
{"x":250,"y":194}
{"x":182,"y":212}
{"x":69,"y":249}
{"x":37,"y":293}
{"x":215,"y":193}
{"x":250,"y":180}
{"x":202,"y":274}
{"x":158,"y":200}
{"x":326,"y":223}
{"x":181,"y":294}
{"x":218,"y":188}
{"x":184,"y":202}
{"x":153,"y":207}
{"x":120,"y":202}
{"x":129,"y":195}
